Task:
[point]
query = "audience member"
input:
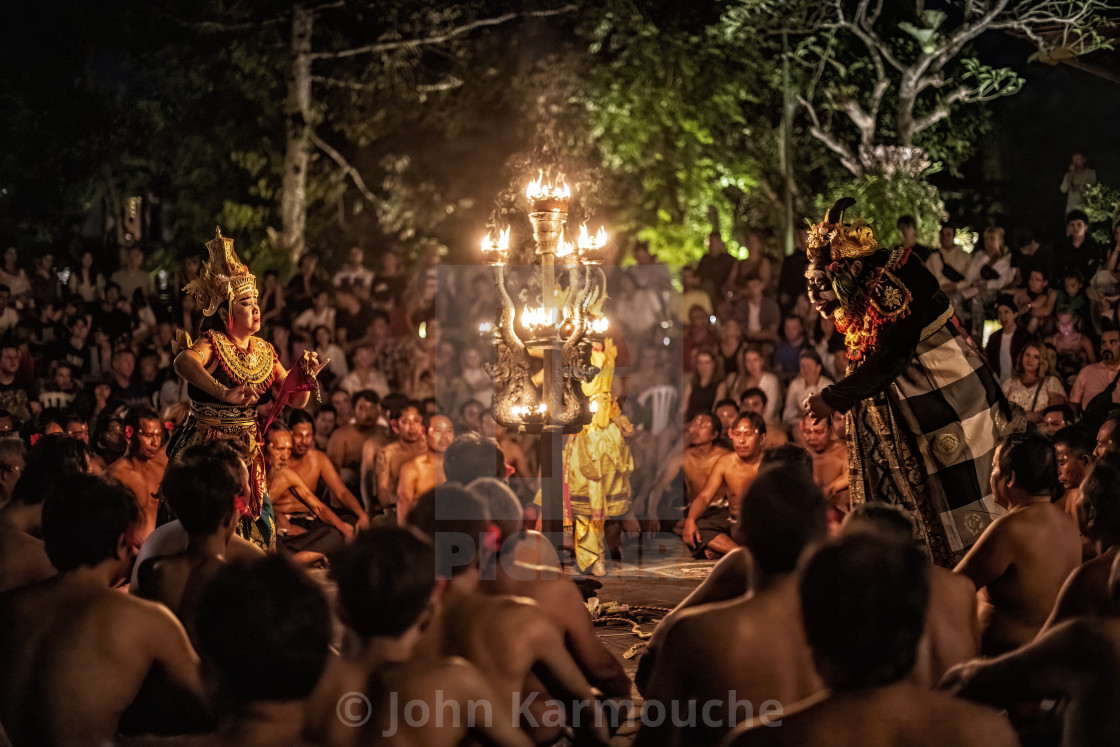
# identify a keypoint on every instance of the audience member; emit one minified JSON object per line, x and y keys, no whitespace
{"x":75,"y":652}
{"x":204,"y":488}
{"x":264,"y":631}
{"x":1022,"y":559}
{"x":425,"y":471}
{"x":864,"y":601}
{"x":142,"y":466}
{"x":752,"y":646}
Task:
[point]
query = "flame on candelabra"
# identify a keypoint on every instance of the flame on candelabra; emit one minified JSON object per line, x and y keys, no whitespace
{"x":564,"y":248}
{"x":522,"y":411}
{"x":538,"y":190}
{"x":592,"y":243}
{"x":496,"y":249}
{"x":537,"y":317}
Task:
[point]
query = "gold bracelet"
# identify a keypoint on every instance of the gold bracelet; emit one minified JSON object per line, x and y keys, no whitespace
{"x":219,"y":388}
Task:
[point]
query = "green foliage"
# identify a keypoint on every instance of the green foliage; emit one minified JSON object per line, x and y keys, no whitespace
{"x":882,"y":200}
{"x":1102,"y":205}
{"x":668,"y":110}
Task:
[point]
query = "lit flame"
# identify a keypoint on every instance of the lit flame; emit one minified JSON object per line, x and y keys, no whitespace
{"x":538,"y":190}
{"x":594,"y":405}
{"x":498,"y":246}
{"x":592,"y":243}
{"x":538,"y":317}
{"x":600,"y":325}
{"x":485,"y":328}
{"x":564,"y":249}
{"x":522,"y":411}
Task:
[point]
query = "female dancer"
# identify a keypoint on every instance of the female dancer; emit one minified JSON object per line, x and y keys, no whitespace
{"x":228,"y":371}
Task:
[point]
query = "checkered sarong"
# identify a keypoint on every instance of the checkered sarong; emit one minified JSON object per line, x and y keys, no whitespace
{"x":927,"y":443}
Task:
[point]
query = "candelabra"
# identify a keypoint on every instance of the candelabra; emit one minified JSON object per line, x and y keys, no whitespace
{"x":562,"y":330}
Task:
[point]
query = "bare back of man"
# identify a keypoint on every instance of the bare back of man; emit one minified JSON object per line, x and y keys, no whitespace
{"x":562,"y":601}
{"x":176,"y":580}
{"x":885,"y":717}
{"x":23,"y":559}
{"x":510,"y":640}
{"x":74,"y":657}
{"x":952,"y":630}
{"x":171,"y":538}
{"x":1020,"y":563}
{"x":471,"y":708}
{"x":1085,"y":593}
{"x":142,"y":478}
{"x":754,"y":647}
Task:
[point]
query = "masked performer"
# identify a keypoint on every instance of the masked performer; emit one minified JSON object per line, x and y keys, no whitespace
{"x":229,"y":370}
{"x":924,"y":412}
{"x":599,"y":465}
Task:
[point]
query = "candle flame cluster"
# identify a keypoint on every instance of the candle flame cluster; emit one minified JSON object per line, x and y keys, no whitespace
{"x":599,"y":325}
{"x":538,"y":317}
{"x":496,"y":249}
{"x":522,"y":411}
{"x":538,"y":190}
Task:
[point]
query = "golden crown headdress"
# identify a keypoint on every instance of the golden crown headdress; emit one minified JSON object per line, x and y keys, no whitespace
{"x":222,"y":278}
{"x":853,"y":240}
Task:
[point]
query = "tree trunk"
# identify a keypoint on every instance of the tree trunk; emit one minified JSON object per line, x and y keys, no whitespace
{"x":297,"y":155}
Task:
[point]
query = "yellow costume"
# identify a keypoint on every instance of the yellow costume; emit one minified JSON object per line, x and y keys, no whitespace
{"x":599,"y":465}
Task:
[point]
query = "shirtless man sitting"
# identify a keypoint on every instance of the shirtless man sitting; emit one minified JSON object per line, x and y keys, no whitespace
{"x":387,"y":593}
{"x":23,"y":559}
{"x":1022,"y":559}
{"x":707,"y":528}
{"x":754,"y":400}
{"x":830,"y":464}
{"x":203,"y":487}
{"x":1086,"y":590}
{"x":694,"y":465}
{"x":313,"y":466}
{"x":1073,"y":447}
{"x":863,"y":605}
{"x":422,"y":473}
{"x":731,"y":577}
{"x":409,"y":429}
{"x":753,"y":646}
{"x":264,"y":631}
{"x":141,"y":468}
{"x":74,"y":652}
{"x":952,"y":630}
{"x":303,"y":522}
{"x":526,"y":566}
{"x":348,"y":445}
{"x":507,"y":638}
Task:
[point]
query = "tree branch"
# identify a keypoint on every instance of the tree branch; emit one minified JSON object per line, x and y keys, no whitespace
{"x":346,"y":167}
{"x":847,"y":157}
{"x":466,"y":28}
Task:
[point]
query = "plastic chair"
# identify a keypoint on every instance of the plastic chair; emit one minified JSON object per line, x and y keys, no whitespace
{"x":659,"y":400}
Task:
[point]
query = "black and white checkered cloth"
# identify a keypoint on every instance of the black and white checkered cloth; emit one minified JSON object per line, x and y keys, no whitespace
{"x":950,"y":401}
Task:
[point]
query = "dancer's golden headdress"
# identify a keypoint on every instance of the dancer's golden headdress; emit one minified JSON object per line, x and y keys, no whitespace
{"x":853,"y":240}
{"x":222,"y":278}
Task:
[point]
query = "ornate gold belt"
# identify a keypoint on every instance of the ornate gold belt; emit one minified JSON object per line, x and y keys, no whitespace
{"x":937,"y":323}
{"x":224,"y":416}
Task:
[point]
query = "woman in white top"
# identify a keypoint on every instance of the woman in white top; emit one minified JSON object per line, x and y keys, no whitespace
{"x":1032,"y":387}
{"x":752,"y":373}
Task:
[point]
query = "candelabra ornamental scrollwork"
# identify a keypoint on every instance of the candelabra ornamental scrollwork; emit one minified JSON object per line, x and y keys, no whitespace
{"x":562,"y":330}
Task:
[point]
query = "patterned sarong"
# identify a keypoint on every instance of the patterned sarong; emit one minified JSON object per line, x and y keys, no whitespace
{"x":927,"y":442}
